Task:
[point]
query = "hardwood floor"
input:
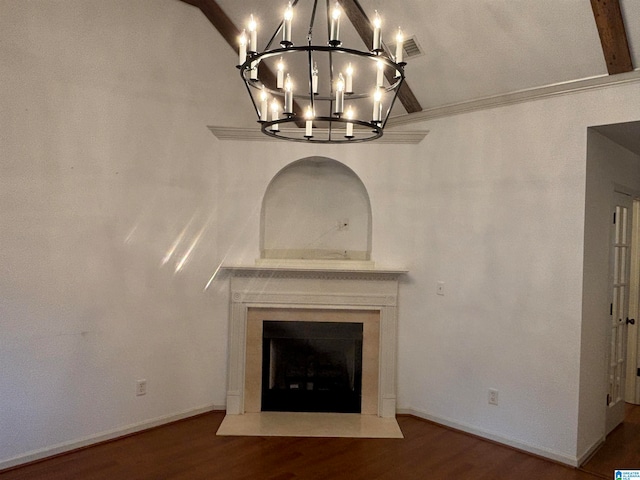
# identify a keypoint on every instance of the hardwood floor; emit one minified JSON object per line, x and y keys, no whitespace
{"x":189,"y":449}
{"x":622,"y":448}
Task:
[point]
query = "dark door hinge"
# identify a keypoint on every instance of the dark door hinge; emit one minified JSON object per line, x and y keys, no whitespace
{"x":614,"y":217}
{"x":611,"y":309}
{"x":638,"y":373}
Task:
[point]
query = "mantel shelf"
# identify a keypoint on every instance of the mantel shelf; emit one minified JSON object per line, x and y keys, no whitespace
{"x":312,"y":267}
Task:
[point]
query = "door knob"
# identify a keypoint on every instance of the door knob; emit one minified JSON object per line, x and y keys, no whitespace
{"x":631,"y":321}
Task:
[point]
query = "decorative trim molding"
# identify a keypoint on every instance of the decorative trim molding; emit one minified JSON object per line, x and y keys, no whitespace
{"x":244,"y":134}
{"x":293,"y":299}
{"x":494,"y":101}
{"x":103,"y":437}
{"x":312,"y":270}
{"x":520,"y":96}
{"x":313,"y":288}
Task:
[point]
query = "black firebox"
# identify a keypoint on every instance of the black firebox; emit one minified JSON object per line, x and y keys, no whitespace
{"x":312,"y":367}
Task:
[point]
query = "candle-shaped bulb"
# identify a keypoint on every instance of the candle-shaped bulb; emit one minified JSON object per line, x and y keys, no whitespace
{"x":314,"y":79}
{"x":377,"y":105}
{"x":339,"y":95}
{"x":264,"y":105}
{"x":253,"y":34}
{"x":280,"y":74}
{"x":335,"y":13}
{"x":286,"y":27}
{"x":399,"y":46}
{"x":242,"y":48}
{"x":288,"y":13}
{"x":377,"y":33}
{"x":308,"y":131}
{"x":288,"y":95}
{"x":275,"y":115}
{"x":334,"y":30}
{"x":380,"y":74}
{"x":349,"y":81}
{"x":350,"y":115}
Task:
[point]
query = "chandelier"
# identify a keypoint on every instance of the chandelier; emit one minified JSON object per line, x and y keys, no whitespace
{"x":319,"y":92}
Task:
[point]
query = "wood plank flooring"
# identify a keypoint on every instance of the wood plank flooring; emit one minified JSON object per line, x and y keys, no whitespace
{"x":189,"y":449}
{"x":621,"y":450}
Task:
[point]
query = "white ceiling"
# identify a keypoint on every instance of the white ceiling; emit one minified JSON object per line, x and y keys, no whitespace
{"x":479,"y":48}
{"x":476,"y":49}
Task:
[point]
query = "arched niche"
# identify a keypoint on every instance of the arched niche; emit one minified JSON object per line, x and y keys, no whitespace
{"x":316,"y":209}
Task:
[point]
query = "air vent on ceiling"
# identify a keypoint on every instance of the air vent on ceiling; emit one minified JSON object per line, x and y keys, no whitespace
{"x":410,"y":46}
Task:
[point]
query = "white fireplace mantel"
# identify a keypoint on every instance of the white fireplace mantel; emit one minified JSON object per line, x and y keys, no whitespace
{"x":313,"y":285}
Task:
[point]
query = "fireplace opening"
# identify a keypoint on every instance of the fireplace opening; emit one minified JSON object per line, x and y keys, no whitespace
{"x":312,"y":366}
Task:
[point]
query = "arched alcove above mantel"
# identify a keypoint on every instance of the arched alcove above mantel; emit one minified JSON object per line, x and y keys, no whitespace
{"x":316,"y":209}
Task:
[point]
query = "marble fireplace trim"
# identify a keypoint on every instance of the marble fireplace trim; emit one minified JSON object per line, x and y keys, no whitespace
{"x":313,"y":288}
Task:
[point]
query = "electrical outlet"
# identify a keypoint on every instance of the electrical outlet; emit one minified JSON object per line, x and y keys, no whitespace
{"x":493,"y":396}
{"x":440,"y":288}
{"x":141,"y":387}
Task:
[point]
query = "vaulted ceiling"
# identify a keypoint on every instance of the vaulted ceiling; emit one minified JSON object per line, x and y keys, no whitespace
{"x":475,"y":51}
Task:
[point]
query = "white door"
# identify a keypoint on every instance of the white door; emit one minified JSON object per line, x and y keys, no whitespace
{"x":632,"y":388}
{"x":620,"y":261}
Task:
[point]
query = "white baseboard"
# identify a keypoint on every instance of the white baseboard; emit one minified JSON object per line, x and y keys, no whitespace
{"x":104,"y":436}
{"x":541,"y":452}
{"x":582,"y":459}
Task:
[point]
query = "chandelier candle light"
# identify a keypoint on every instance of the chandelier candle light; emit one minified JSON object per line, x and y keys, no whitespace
{"x":338,"y":85}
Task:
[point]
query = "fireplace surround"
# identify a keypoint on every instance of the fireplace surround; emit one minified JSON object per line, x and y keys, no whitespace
{"x":313,"y":292}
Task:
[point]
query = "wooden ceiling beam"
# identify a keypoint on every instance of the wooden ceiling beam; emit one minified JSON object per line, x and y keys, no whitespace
{"x":613,"y":35}
{"x":221,"y":21}
{"x":362,"y":24}
{"x":225,"y":26}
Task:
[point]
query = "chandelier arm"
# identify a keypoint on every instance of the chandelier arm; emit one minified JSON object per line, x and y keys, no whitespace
{"x":275,"y":34}
{"x":246,"y":84}
{"x":376,"y":131}
{"x":311,"y":99}
{"x":330,"y":51}
{"x":313,"y":19}
{"x":323,"y":48}
{"x":395,"y":97}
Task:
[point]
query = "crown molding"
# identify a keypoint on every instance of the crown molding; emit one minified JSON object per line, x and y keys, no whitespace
{"x":520,"y":96}
{"x":254,"y":134}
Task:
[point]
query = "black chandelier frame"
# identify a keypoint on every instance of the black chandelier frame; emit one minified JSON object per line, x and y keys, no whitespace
{"x":372,"y":129}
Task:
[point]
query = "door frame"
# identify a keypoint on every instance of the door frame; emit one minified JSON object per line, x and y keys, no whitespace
{"x":620,"y":241}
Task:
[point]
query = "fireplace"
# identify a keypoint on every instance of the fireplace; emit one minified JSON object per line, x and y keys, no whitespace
{"x":342,"y":324}
{"x":311,"y":367}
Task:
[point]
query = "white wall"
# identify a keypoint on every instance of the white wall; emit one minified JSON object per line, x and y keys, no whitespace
{"x":105,"y":161}
{"x":609,"y":167}
{"x":493,"y":204}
